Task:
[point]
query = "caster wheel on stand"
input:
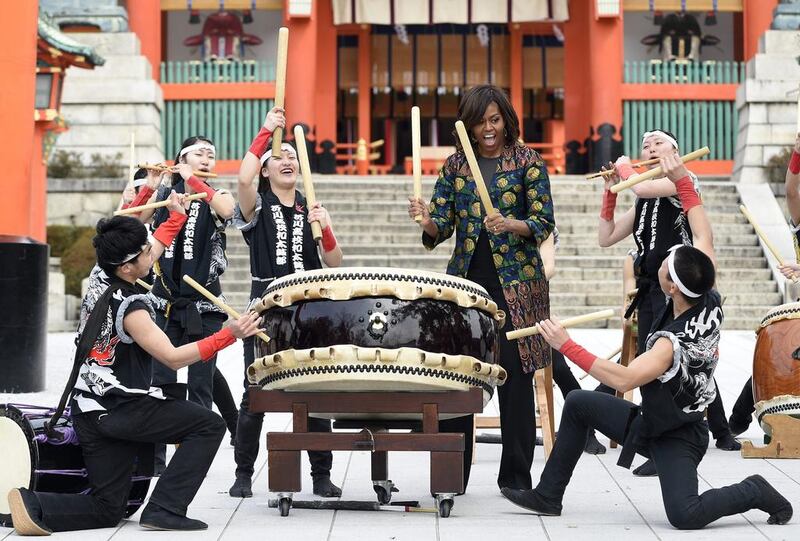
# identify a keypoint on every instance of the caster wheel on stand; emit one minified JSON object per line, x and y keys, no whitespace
{"x":284,"y":504}
{"x":384,"y":489}
{"x":445,"y":503}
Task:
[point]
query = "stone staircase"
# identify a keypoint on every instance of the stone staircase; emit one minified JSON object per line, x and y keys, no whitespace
{"x":373,"y":229}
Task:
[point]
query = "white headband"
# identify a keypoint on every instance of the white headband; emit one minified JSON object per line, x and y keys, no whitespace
{"x":674,"y":275}
{"x":268,"y":154}
{"x":130,"y":257}
{"x":661,"y":134}
{"x":202,"y":145}
{"x":139,"y":182}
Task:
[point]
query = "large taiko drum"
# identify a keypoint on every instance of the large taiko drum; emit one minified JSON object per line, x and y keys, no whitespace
{"x":33,"y":460}
{"x":776,"y":363}
{"x":377,"y":329}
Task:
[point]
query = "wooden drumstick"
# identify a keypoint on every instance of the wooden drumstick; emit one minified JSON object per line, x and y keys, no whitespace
{"x":308,"y":185}
{"x":569,"y":322}
{"x":163,"y":168}
{"x":280,"y":86}
{"x":609,"y":172}
{"x":217,"y":302}
{"x":653,"y":173}
{"x":416,"y":160}
{"x":156,"y":205}
{"x":144,"y":284}
{"x":763,"y":236}
{"x":461,"y":130}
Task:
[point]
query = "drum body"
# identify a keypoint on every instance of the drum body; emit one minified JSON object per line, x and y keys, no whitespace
{"x":376,"y":329}
{"x":35,"y":461}
{"x":776,"y":363}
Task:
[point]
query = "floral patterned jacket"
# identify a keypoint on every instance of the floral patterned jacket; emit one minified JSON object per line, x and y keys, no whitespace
{"x":520,"y":189}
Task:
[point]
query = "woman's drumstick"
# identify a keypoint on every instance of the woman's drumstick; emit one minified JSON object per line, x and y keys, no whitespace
{"x":171,"y":169}
{"x":768,"y":243}
{"x":569,"y":322}
{"x":608,"y":172}
{"x":280,"y":86}
{"x":305,"y":169}
{"x":463,"y":137}
{"x":653,"y":173}
{"x":213,"y":298}
{"x":156,"y":205}
{"x":416,"y":160}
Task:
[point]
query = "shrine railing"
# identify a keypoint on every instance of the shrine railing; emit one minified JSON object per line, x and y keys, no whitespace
{"x":194,"y":71}
{"x":708,"y":72}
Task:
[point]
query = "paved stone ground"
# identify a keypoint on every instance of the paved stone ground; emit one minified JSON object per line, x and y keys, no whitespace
{"x":603,"y":501}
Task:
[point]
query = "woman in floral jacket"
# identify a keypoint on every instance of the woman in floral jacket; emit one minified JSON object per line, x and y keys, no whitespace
{"x":500,"y":252}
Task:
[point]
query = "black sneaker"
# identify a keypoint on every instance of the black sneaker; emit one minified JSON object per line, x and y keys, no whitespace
{"x":242,"y":487}
{"x":26,"y":512}
{"x":325,"y":488}
{"x":728,"y":443}
{"x":532,"y":501}
{"x":648,"y":469}
{"x":737,"y":425}
{"x":593,"y":447}
{"x":157,"y":518}
{"x":771,"y":501}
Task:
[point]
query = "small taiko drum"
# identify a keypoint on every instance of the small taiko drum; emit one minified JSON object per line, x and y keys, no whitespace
{"x":34,"y":459}
{"x":377,"y":329}
{"x":776,"y":363}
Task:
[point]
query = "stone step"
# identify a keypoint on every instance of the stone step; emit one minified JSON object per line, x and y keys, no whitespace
{"x":779,"y":42}
{"x":560,"y":285}
{"x":595,"y":298}
{"x":563,"y":249}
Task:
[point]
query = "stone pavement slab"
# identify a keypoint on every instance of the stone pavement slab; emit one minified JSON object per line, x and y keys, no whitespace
{"x":603,"y":501}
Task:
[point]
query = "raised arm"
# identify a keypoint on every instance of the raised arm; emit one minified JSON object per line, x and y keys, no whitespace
{"x":331,"y":251}
{"x":438,"y":218}
{"x":702,"y":235}
{"x":251,"y":163}
{"x":609,"y":230}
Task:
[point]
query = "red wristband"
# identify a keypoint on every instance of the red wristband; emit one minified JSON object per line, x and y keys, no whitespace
{"x":210,"y":345}
{"x":328,"y":240}
{"x":609,"y":204}
{"x":687,"y":194}
{"x":201,"y":187}
{"x":259,"y":144}
{"x":166,"y":232}
{"x":794,"y":163}
{"x":141,"y":198}
{"x":578,"y":355}
{"x":625,"y":171}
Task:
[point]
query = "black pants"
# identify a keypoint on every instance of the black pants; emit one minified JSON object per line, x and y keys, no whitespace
{"x":248,"y":432}
{"x":110,"y":442}
{"x":745,"y":404}
{"x":200,"y":382}
{"x":517,"y":414}
{"x":675,"y":458}
{"x":223,"y":399}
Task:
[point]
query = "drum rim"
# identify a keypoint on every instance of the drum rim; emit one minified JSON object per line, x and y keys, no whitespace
{"x":303,"y":362}
{"x":344,"y":276}
{"x":16,"y":417}
{"x":782,"y":312}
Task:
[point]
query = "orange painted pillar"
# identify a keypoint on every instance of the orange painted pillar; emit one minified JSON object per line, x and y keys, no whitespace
{"x":364,"y":83}
{"x":515,"y":68}
{"x":310,"y":72}
{"x":325,"y":91}
{"x":605,"y":71}
{"x":144,"y":19}
{"x":577,"y":85}
{"x":18,"y":58}
{"x":38,"y":186}
{"x":757,"y":15}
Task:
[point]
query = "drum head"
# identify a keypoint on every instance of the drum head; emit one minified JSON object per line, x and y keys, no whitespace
{"x":15,"y":441}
